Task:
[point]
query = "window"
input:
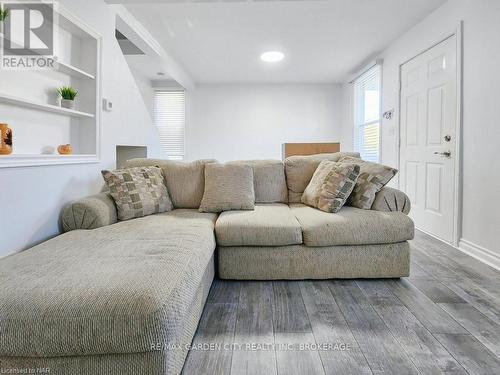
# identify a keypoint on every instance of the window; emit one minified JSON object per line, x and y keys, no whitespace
{"x":367,"y":114}
{"x":169,"y":117}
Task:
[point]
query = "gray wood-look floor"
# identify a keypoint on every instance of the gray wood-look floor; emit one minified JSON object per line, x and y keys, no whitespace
{"x":444,"y":318}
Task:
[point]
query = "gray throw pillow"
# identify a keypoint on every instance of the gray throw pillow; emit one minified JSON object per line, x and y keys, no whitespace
{"x":228,"y":187}
{"x":330,"y":186}
{"x":138,"y":191}
{"x":372,"y":178}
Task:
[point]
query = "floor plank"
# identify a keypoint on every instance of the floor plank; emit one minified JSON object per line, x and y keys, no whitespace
{"x":254,"y":333}
{"x":436,"y":292}
{"x":289,"y":312}
{"x":223,"y":291}
{"x":443,"y":319}
{"x":435,"y":319}
{"x":210,"y":354}
{"x":293,"y":356}
{"x":476,"y":323}
{"x":382,"y":351}
{"x":330,"y":327}
{"x":471,"y":354}
{"x":428,"y":355}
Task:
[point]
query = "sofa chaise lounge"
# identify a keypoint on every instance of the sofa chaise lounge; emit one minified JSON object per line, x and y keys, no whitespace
{"x":125,"y":297}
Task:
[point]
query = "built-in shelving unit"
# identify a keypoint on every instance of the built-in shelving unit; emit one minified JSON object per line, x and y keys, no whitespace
{"x":30,"y":106}
{"x":4,"y":98}
{"x":72,"y":70}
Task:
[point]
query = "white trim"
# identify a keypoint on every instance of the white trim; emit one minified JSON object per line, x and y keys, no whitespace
{"x":377,"y":63}
{"x":480,"y":253}
{"x":457,"y":209}
{"x":14,"y":161}
{"x":364,"y":69}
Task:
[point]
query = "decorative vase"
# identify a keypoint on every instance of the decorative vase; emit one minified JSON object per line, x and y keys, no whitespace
{"x":69,"y":104}
{"x":5,"y":140}
{"x":65,"y":149}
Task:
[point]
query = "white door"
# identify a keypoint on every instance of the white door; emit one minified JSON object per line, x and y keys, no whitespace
{"x":427,"y":137}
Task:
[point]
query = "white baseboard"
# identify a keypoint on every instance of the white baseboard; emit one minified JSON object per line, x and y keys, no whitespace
{"x":484,"y":255}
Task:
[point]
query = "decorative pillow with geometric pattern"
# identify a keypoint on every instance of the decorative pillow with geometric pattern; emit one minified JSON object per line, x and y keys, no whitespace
{"x":330,"y":186}
{"x":372,"y":178}
{"x":138,"y":191}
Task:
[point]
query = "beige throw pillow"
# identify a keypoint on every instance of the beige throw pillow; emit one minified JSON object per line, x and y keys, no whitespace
{"x":372,"y":178}
{"x":330,"y":186}
{"x":228,"y":187}
{"x":138,"y":191}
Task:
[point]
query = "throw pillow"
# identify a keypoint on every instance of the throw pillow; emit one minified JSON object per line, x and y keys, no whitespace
{"x":330,"y":186}
{"x":138,"y":191}
{"x":299,"y":171}
{"x":228,"y":187}
{"x":372,"y":178}
{"x":185,"y":181}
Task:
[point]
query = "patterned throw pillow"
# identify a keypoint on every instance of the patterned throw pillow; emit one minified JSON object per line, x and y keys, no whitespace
{"x":372,"y":178}
{"x":330,"y":186}
{"x":138,"y":191}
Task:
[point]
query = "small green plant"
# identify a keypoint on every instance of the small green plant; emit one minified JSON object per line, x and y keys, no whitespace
{"x":67,"y":93}
{"x":4,"y":13}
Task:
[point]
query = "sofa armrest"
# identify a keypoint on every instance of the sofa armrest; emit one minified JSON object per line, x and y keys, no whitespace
{"x":389,"y":199}
{"x":89,"y":213}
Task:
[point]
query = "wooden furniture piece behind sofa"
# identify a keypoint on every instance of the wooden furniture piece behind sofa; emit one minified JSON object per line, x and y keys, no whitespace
{"x":290,"y":149}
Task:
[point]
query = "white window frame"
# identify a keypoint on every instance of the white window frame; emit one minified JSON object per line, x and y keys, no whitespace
{"x":171,"y":89}
{"x":358,"y":124}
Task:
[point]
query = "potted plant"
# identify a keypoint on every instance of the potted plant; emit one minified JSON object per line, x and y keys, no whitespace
{"x":4,"y":13}
{"x":68,"y":95}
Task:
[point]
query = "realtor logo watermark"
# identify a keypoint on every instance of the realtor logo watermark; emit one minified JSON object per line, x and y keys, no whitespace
{"x":28,"y":30}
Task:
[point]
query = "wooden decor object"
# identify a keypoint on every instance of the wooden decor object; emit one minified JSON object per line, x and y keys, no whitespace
{"x":65,"y":149}
{"x":5,"y":139}
{"x":291,"y":149}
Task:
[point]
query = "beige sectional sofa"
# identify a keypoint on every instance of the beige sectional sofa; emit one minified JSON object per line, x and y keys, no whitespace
{"x":110,"y":297}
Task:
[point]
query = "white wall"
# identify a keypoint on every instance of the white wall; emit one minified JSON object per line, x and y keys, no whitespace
{"x":229,"y":122}
{"x":31,"y":198}
{"x":481,"y":117}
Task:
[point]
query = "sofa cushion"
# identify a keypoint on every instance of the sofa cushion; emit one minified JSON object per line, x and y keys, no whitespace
{"x":330,"y":186}
{"x":268,"y":225}
{"x":372,"y":178}
{"x":185,"y":181}
{"x":300,"y":169}
{"x":268,"y":179}
{"x":115,"y":289}
{"x":138,"y":191}
{"x":352,"y":226}
{"x":228,"y":187}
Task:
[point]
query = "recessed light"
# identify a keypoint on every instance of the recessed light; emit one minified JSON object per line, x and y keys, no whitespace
{"x":160,"y":73}
{"x":272,"y":56}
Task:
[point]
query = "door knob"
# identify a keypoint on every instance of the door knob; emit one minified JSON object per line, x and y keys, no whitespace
{"x":445,"y":154}
{"x":447,"y":138}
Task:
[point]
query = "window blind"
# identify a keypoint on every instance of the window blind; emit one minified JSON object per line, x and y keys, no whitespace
{"x":169,"y":112}
{"x":367,"y":114}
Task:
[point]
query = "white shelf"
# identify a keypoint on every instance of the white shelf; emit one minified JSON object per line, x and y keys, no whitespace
{"x":4,"y":98}
{"x":23,"y":160}
{"x":71,"y":70}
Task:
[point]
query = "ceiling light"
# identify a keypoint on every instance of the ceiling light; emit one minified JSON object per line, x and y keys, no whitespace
{"x":272,"y":56}
{"x":160,"y":74}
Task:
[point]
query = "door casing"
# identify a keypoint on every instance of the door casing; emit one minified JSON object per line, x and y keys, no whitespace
{"x":457,"y":206}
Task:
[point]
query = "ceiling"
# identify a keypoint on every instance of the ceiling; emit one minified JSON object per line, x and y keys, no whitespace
{"x":324,"y":41}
